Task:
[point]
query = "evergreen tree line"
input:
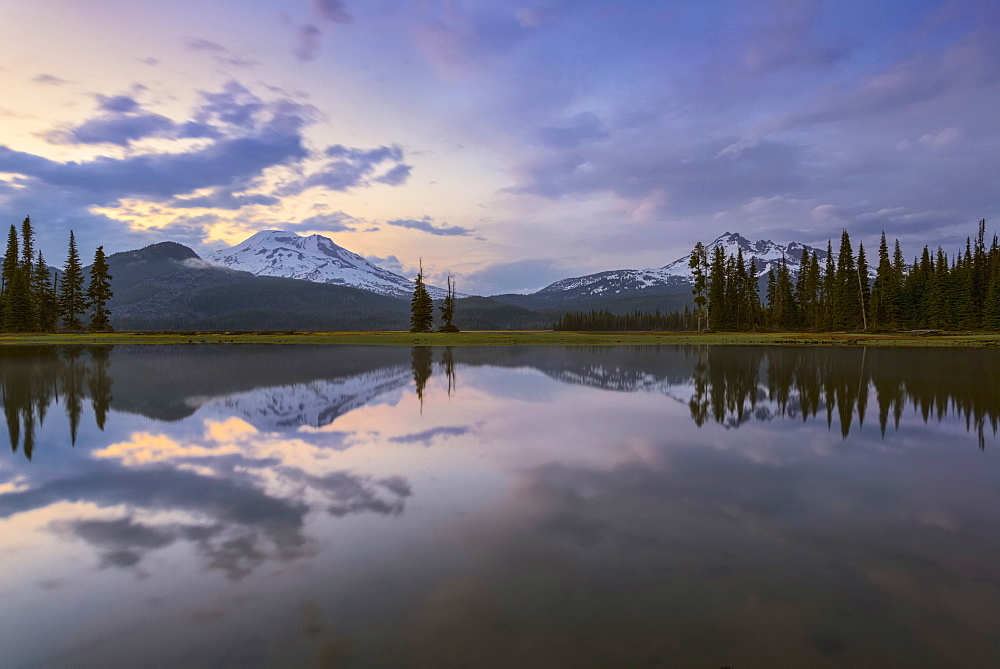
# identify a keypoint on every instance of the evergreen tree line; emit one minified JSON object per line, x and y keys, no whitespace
{"x":33,"y":300}
{"x":605,"y":321}
{"x":959,"y":293}
{"x":422,"y":306}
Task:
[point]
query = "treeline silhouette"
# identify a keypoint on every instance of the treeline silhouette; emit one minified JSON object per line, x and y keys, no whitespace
{"x":33,"y":300}
{"x":935,"y":291}
{"x":32,"y":378}
{"x":636,"y":321}
{"x":734,"y":385}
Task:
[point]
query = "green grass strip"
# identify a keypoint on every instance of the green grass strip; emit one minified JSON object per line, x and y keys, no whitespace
{"x":518,"y":338}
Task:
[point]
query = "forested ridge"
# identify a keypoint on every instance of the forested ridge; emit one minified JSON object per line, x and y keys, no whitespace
{"x":935,"y":291}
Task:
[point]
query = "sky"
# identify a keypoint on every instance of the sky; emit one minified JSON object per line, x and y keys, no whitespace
{"x":511,"y":143}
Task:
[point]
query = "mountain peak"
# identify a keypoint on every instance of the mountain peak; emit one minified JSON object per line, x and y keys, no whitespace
{"x":314,"y":258}
{"x":157,"y":252}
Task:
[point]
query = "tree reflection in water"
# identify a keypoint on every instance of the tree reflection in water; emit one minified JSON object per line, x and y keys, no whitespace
{"x":733,"y":385}
{"x":34,"y":377}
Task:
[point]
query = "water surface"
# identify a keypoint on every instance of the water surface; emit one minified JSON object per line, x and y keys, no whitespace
{"x":376,"y":506}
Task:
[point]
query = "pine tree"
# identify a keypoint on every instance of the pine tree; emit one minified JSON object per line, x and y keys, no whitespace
{"x":8,"y":270}
{"x":991,"y":309}
{"x":864,"y":290}
{"x":18,"y":314}
{"x":829,"y":288}
{"x":771,"y":296}
{"x":699,"y":271}
{"x":936,"y":304}
{"x":44,"y":295}
{"x":846,"y":296}
{"x":813,"y":288}
{"x":99,"y":292}
{"x":786,"y":310}
{"x":72,"y":302}
{"x":421,"y":305}
{"x":27,"y":246}
{"x":881,"y":288}
{"x":717,"y":315}
{"x":10,"y":260}
{"x":448,"y":308}
{"x":752,"y":296}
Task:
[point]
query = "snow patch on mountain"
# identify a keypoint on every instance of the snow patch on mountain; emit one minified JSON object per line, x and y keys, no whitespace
{"x":767,"y":255}
{"x":314,"y":258}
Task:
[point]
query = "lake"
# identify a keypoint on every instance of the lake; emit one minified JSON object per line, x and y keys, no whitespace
{"x":499,"y":506}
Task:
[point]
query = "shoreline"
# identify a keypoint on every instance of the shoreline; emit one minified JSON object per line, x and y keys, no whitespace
{"x":935,"y":339}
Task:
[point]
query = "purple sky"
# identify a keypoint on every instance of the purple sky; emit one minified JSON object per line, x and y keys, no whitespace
{"x":514,"y":143}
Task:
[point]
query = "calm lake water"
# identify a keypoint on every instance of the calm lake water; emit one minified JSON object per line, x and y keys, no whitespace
{"x":511,"y":507}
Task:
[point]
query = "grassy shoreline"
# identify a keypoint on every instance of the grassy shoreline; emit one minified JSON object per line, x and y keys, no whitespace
{"x":518,"y":338}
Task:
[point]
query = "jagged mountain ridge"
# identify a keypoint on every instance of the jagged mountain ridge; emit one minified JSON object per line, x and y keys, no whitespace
{"x":314,"y":258}
{"x":666,"y":288}
{"x":768,"y":256}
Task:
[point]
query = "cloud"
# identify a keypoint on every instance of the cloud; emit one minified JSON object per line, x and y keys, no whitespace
{"x":117,"y":103}
{"x":162,"y":175}
{"x":347,"y":168}
{"x":222,"y":198}
{"x":785,"y":37}
{"x":258,"y":135}
{"x":331,"y":10}
{"x":391,"y":263}
{"x":49,"y":80}
{"x":426,"y":224}
{"x":308,"y":43}
{"x":395,"y":176}
{"x":336,"y":221}
{"x":941,"y":139}
{"x":427,"y":436}
{"x":582,"y":128}
{"x":115,"y":129}
{"x":456,"y":40}
{"x":241,"y":136}
{"x":219,"y":53}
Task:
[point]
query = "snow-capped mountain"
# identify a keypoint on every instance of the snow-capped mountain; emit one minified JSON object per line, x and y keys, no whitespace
{"x":314,"y":258}
{"x":677,"y":274}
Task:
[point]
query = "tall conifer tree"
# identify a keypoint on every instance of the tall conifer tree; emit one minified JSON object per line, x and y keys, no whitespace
{"x":421,"y":305}
{"x":18,"y":314}
{"x":448,"y":308}
{"x":699,"y":271}
{"x":72,"y":302}
{"x":717,"y":316}
{"x":44,"y":295}
{"x":829,"y":284}
{"x":864,"y":289}
{"x":99,"y":292}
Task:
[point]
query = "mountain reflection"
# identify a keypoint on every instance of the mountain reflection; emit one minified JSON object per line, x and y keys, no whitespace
{"x":282,"y":389}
